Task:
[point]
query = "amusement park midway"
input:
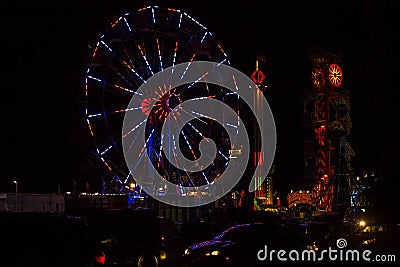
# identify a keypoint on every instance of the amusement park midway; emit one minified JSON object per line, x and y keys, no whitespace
{"x":308,"y":83}
{"x":45,"y":47}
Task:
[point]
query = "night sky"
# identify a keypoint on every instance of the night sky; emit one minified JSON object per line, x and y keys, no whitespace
{"x":44,"y":46}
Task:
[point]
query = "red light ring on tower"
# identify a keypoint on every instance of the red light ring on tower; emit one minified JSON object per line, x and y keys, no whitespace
{"x":335,"y":75}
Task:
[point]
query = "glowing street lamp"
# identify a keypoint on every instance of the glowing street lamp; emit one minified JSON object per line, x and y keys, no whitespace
{"x":132,"y":185}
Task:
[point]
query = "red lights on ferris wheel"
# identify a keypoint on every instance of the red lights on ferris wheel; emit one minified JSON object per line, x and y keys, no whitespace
{"x":138,"y":45}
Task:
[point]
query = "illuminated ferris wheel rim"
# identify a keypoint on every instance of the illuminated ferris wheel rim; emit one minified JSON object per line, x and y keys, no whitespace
{"x":140,"y":66}
{"x":124,"y":19}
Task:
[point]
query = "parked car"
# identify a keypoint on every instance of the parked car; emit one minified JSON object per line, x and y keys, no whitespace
{"x":243,"y":244}
{"x":129,"y":237}
{"x":172,"y":242}
{"x":169,"y":228}
{"x":46,"y":239}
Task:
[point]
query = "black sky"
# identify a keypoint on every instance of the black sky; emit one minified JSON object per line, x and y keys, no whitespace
{"x":43,"y":47}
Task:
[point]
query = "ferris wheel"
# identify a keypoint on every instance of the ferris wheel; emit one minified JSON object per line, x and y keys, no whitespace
{"x":133,"y":48}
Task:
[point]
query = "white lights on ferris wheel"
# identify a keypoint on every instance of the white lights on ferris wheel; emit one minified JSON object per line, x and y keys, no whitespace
{"x":132,"y":49}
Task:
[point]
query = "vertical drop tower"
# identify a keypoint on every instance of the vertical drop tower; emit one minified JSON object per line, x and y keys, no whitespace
{"x":328,"y":108}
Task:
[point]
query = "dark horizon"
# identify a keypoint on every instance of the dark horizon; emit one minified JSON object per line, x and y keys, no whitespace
{"x":44,"y":49}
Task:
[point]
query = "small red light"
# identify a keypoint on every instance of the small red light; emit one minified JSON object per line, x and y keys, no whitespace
{"x":101,"y":259}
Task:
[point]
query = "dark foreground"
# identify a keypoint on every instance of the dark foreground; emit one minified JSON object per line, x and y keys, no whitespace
{"x":139,"y":238}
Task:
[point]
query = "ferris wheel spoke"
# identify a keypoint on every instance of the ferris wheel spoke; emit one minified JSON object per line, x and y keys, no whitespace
{"x":134,"y":62}
{"x":236,"y":88}
{"x":135,"y":73}
{"x":190,"y":114}
{"x":132,"y":70}
{"x":175,"y":53}
{"x":119,"y":87}
{"x":135,"y":128}
{"x":199,"y":133}
{"x":160,"y":150}
{"x":189,"y":124}
{"x":122,"y":78}
{"x":198,"y":79}
{"x":223,"y":155}
{"x":159,"y":54}
{"x":196,"y":130}
{"x":143,"y":54}
{"x":142,"y":153}
{"x":125,"y":110}
{"x":188,"y":65}
{"x":174,"y":148}
{"x":188,"y":144}
{"x":192,"y":137}
{"x":200,"y":115}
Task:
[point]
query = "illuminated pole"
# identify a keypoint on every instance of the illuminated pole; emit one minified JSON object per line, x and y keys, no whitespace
{"x":16,"y":195}
{"x":258,"y":77}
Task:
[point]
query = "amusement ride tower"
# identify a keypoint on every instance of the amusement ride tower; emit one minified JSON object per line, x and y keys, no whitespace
{"x":263,"y":194}
{"x":328,"y":108}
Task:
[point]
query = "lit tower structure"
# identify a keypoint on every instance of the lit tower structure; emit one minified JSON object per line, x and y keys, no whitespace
{"x":263,"y":193}
{"x":328,"y":108}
